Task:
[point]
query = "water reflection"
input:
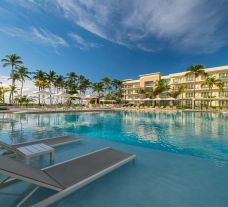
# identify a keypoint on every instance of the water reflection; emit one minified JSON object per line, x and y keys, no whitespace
{"x":200,"y":134}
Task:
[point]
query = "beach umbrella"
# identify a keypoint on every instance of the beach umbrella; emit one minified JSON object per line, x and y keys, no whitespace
{"x":42,"y":93}
{"x":65,"y":95}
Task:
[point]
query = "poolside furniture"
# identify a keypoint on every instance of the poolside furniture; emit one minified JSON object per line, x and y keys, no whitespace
{"x":65,"y":177}
{"x":51,"y":142}
{"x":36,"y":150}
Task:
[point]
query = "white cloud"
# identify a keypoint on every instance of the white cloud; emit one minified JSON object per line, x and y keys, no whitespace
{"x":149,"y":25}
{"x":181,"y":24}
{"x":82,"y":43}
{"x":36,"y":35}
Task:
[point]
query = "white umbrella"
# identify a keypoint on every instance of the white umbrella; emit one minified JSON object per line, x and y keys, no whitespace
{"x":103,"y":100}
{"x":157,"y":99}
{"x":67,"y":95}
{"x":42,"y":93}
{"x":75,"y":96}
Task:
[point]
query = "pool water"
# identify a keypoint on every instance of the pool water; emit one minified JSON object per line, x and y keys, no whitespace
{"x":182,"y":158}
{"x":199,"y":134}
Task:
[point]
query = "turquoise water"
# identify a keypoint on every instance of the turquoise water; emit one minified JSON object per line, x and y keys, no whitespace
{"x":169,"y":169}
{"x":198,"y":134}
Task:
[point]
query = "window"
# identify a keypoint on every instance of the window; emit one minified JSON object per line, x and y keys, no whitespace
{"x":175,"y":80}
{"x":205,"y":94}
{"x":189,"y":95}
{"x":190,"y":86}
{"x":136,"y":86}
{"x":223,"y":94}
{"x":189,"y":78}
{"x":204,"y":86}
{"x":203,"y":77}
{"x":149,"y":84}
{"x":225,"y":84}
{"x":223,"y":75}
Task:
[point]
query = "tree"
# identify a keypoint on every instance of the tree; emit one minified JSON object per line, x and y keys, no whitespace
{"x":98,"y":88}
{"x":12,"y":60}
{"x":174,"y":93}
{"x":15,"y":77}
{"x":195,"y":70}
{"x":117,"y":84}
{"x":23,"y":74}
{"x":59,"y":83}
{"x":117,"y":87}
{"x":84,"y":84}
{"x":40,"y":75}
{"x":23,"y":100}
{"x":3,"y":90}
{"x":107,"y":84}
{"x":51,"y":76}
{"x":161,"y":86}
{"x":71,"y":83}
{"x":181,"y":89}
{"x":13,"y":89}
{"x":40,"y":78}
{"x":212,"y":81}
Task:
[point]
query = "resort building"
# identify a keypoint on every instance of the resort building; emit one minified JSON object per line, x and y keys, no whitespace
{"x":133,"y":89}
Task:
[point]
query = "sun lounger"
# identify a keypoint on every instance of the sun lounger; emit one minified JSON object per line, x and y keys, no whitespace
{"x":52,"y":142}
{"x":65,"y":177}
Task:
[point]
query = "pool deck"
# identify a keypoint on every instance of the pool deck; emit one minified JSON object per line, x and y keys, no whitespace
{"x":155,"y":179}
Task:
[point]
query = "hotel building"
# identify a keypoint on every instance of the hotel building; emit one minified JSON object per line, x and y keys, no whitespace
{"x":133,"y":88}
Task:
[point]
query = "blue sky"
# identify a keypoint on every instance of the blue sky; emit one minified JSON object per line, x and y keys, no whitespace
{"x":119,"y":39}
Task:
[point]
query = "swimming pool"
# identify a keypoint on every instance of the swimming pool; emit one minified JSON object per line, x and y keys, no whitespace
{"x":151,"y":136}
{"x":198,"y":134}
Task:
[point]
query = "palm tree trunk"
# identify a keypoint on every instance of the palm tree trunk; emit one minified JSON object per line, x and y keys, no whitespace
{"x":3,"y":96}
{"x":39,"y":97}
{"x":194,"y":93}
{"x":50,"y":95}
{"x":22,"y":85}
{"x":10,"y":99}
{"x":211,"y":97}
{"x":12,"y":96}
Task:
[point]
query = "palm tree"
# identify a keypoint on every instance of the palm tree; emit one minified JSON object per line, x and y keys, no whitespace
{"x":142,"y":93}
{"x":40,"y":81}
{"x":117,"y":87}
{"x":3,"y":90}
{"x":161,"y":86}
{"x":15,"y":77}
{"x":41,"y":84}
{"x":51,"y":76}
{"x":39,"y":75}
{"x":71,"y":83}
{"x":59,"y":83}
{"x":13,"y":89}
{"x":23,"y":73}
{"x":84,"y":84}
{"x":107,"y":84}
{"x":195,"y":70}
{"x":212,"y":81}
{"x":181,"y":89}
{"x":40,"y":78}
{"x":117,"y":84}
{"x":98,"y":88}
{"x":12,"y":60}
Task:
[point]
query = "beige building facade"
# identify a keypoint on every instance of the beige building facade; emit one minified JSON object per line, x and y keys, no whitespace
{"x":133,"y":88}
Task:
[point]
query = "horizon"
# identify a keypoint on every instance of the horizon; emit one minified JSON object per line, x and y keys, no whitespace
{"x":166,"y":38}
